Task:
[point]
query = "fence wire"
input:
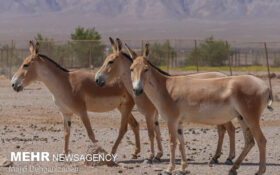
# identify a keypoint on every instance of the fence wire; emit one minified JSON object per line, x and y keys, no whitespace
{"x":167,"y":53}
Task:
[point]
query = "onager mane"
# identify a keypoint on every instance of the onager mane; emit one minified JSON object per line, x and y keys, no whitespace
{"x":158,"y":69}
{"x":52,"y":61}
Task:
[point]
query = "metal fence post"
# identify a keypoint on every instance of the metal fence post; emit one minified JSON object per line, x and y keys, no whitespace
{"x":11,"y":59}
{"x":195,"y":55}
{"x":48,"y":45}
{"x":268,"y":67}
{"x":142,"y":47}
{"x":90,"y":55}
{"x":168,"y":56}
{"x":229,"y":60}
{"x":71,"y":56}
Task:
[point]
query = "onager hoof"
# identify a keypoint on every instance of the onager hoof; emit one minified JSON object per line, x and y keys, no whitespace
{"x":159,"y":155}
{"x":232,"y":172}
{"x":228,"y":162}
{"x":134,"y":156}
{"x":148,"y":161}
{"x":213,"y":161}
{"x":259,"y":173}
{"x":156,"y":160}
{"x":166,"y":173}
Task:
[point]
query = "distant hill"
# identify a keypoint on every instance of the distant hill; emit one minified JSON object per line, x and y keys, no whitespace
{"x":249,"y":19}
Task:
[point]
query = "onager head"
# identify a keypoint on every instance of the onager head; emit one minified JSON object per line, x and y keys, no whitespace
{"x":139,"y":70}
{"x":112,"y":66}
{"x":27,"y":71}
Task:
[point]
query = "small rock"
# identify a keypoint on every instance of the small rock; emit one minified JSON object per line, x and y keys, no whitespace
{"x":17,"y":146}
{"x":123,"y":166}
{"x":157,"y":169}
{"x":5,"y":163}
{"x":120,"y":171}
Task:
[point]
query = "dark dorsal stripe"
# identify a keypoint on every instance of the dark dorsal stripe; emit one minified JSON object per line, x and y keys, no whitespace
{"x":55,"y":63}
{"x":158,"y":69}
{"x":127,"y":56}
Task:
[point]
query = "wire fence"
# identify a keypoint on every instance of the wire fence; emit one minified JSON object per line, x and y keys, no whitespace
{"x":181,"y":54}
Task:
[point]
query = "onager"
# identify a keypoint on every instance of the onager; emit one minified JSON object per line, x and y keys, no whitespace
{"x":212,"y":101}
{"x":112,"y":70}
{"x":117,"y":65}
{"x":75,"y":92}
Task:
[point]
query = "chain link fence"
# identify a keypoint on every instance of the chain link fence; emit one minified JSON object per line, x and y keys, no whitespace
{"x":169,"y":54}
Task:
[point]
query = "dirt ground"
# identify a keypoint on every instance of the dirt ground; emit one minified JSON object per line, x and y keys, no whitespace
{"x":29,"y":121}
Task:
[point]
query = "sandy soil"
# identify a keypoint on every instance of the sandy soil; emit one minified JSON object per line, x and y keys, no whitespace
{"x":29,"y":121}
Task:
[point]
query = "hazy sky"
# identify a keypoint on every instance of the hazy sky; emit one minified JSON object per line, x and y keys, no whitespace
{"x":142,"y":19}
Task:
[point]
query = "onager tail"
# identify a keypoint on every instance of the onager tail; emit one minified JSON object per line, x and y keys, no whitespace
{"x":270,"y":100}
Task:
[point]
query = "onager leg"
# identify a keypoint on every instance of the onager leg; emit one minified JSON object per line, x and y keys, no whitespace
{"x":221,"y":134}
{"x":127,"y":117}
{"x":150,"y":126}
{"x":172,"y":129}
{"x":122,"y":131}
{"x":181,"y":142}
{"x":67,"y":126}
{"x":249,"y":143}
{"x":261,"y":141}
{"x":86,"y":122}
{"x":158,"y":138}
{"x":135,"y":128}
{"x":231,"y":133}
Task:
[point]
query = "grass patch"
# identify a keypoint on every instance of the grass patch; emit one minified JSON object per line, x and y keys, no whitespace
{"x":224,"y":68}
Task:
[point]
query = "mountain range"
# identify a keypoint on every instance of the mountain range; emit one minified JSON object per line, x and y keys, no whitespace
{"x":135,"y":19}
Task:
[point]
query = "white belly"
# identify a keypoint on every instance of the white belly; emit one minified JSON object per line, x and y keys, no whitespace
{"x":102,"y":104}
{"x":213,"y":114}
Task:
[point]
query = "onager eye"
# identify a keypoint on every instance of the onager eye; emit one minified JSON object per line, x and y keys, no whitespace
{"x":145,"y":70}
{"x":131,"y":70}
{"x":25,"y":65}
{"x":110,"y":62}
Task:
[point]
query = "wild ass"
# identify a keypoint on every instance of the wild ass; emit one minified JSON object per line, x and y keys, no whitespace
{"x":109,"y":72}
{"x":75,"y":92}
{"x":209,"y":101}
{"x":117,"y":65}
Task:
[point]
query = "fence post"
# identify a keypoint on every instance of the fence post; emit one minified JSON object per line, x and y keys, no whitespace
{"x":168,"y":56}
{"x":195,"y":55}
{"x":2,"y":58}
{"x":142,"y":47}
{"x":70,"y":55}
{"x":268,"y":67}
{"x":90,"y":55}
{"x":11,"y":59}
{"x":229,"y":60}
{"x":48,"y":44}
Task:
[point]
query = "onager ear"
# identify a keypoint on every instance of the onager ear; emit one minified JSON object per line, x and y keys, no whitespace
{"x":114,"y":47}
{"x":146,"y":50}
{"x":37,"y":48}
{"x":119,"y":46}
{"x":132,"y":54}
{"x":31,"y":48}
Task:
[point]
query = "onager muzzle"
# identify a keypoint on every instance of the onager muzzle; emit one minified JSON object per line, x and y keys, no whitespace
{"x":99,"y":79}
{"x":137,"y":88}
{"x":16,"y":84}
